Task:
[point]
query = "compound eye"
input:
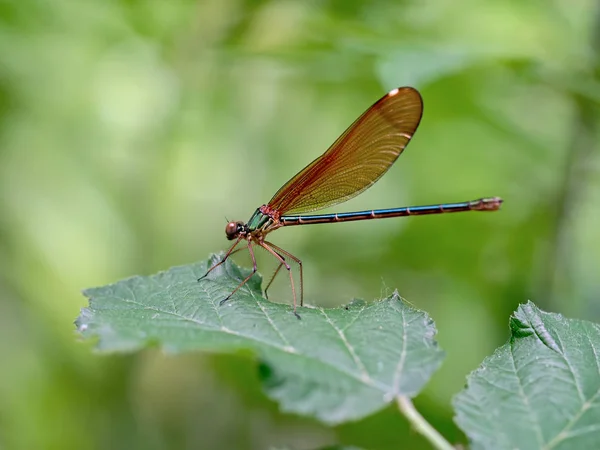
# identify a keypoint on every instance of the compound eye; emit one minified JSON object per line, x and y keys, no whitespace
{"x":231,"y":230}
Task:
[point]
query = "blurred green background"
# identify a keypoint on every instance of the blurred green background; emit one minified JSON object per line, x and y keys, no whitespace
{"x":129,"y":130}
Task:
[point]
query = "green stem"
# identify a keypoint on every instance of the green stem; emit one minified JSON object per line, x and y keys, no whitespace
{"x":421,"y":425}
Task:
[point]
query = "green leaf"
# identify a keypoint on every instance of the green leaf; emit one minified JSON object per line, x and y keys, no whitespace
{"x":539,"y":390}
{"x":334,"y":364}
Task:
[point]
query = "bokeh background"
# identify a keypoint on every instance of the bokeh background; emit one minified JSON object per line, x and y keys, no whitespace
{"x":129,"y":130}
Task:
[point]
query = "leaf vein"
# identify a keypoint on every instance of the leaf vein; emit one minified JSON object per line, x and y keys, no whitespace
{"x":536,"y":423}
{"x":402,"y":360}
{"x":369,"y":381}
{"x":359,"y":364}
{"x":212,"y":304}
{"x":358,"y":313}
{"x":281,"y":336}
{"x":563,"y":434}
{"x":572,"y":373}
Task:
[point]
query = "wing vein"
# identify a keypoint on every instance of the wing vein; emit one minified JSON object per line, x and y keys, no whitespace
{"x":357,"y":159}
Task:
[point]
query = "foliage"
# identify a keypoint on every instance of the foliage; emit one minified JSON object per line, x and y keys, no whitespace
{"x":540,"y":390}
{"x":336,"y":365}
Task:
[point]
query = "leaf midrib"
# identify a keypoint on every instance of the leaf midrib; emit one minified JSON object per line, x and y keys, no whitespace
{"x":383,"y":388}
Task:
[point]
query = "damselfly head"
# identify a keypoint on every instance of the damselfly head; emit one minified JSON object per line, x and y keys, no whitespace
{"x":233,"y":230}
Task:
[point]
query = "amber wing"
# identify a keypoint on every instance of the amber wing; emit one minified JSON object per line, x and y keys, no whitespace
{"x":358,"y":158}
